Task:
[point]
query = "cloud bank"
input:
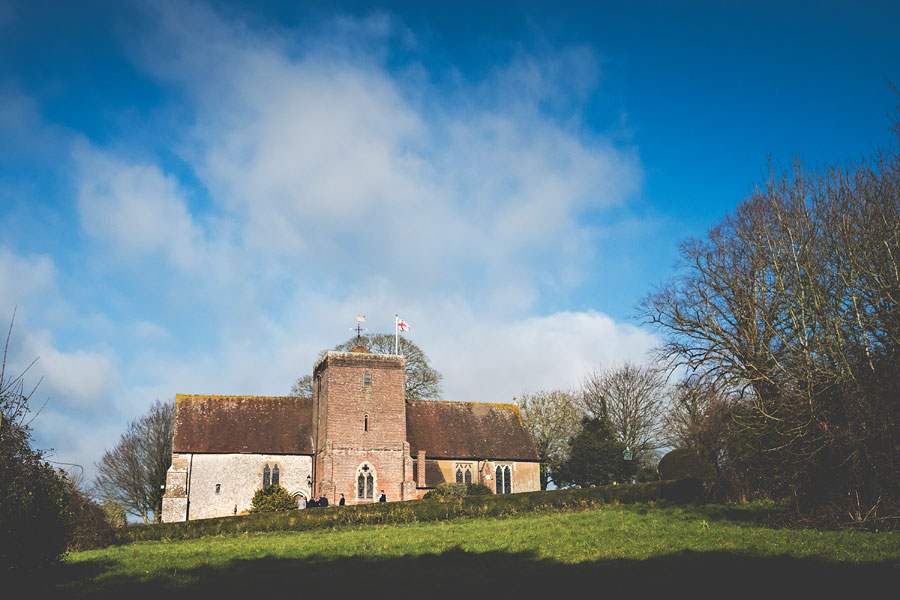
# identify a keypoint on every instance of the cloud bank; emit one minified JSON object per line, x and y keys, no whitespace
{"x":309,"y":176}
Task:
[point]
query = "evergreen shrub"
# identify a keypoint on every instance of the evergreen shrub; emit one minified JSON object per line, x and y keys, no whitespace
{"x":682,"y":463}
{"x":35,"y":507}
{"x":478,"y":489}
{"x":272,"y":498}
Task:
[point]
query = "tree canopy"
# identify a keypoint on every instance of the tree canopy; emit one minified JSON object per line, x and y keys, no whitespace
{"x":792,"y":303}
{"x":631,"y":397}
{"x":423,"y":382}
{"x":595,"y":457}
{"x":552,"y":419}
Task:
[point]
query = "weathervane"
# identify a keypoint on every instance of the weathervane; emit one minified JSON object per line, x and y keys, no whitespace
{"x":360,"y":319}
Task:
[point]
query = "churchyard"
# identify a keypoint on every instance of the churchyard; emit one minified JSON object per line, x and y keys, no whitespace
{"x":650,"y":547}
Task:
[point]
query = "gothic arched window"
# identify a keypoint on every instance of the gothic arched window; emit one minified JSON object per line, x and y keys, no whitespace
{"x":267,"y":474}
{"x":504,"y":479}
{"x":275,"y":475}
{"x":365,"y":482}
{"x":464,"y":474}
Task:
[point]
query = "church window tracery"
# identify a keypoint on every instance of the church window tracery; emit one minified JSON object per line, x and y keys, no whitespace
{"x":271,"y":475}
{"x":503,"y":479}
{"x":365,"y":482}
{"x":464,"y":474}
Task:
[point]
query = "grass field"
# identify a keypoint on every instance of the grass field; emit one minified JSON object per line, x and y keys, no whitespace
{"x":709,"y":550}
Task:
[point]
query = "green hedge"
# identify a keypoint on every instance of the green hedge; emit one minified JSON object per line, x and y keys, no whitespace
{"x":687,"y":490}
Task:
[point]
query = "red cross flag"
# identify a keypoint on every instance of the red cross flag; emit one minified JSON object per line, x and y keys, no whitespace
{"x":399,"y":325}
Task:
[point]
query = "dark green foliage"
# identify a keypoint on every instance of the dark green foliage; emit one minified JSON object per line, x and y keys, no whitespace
{"x":272,"y":498}
{"x":455,"y":491}
{"x":35,"y":499}
{"x":478,"y":489}
{"x":646,"y":474}
{"x":595,"y":458}
{"x":447,"y":491}
{"x":686,"y":490}
{"x":682,"y":463}
{"x":91,"y":526}
{"x":34,"y":504}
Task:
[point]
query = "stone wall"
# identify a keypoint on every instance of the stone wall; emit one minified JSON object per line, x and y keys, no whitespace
{"x":526,"y":476}
{"x":192,"y":480}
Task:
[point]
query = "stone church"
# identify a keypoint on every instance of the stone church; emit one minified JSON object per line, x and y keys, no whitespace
{"x":356,"y":435}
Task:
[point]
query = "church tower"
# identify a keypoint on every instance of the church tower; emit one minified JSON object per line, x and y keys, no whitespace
{"x":359,"y":407}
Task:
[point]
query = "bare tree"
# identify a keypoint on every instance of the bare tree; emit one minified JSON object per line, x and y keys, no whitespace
{"x":302,"y":388}
{"x":793,"y":302}
{"x":632,"y":398}
{"x":133,"y":473}
{"x":553,"y":419}
{"x":699,"y":419}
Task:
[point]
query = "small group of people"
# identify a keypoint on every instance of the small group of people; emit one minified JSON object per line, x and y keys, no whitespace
{"x":316,"y":502}
{"x":322,"y":501}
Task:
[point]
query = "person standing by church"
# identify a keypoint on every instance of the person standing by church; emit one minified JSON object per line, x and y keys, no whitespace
{"x":301,"y":503}
{"x":323,"y":501}
{"x":382,"y":497}
{"x":342,"y":502}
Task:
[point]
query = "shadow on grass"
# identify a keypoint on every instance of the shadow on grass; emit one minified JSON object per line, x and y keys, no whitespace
{"x":497,"y":574}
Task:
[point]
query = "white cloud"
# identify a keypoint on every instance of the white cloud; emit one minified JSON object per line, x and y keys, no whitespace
{"x":328,"y":160}
{"x":150,"y":332}
{"x":494,"y":361}
{"x":332,"y":186}
{"x":81,"y":379}
{"x":136,"y":208}
{"x":24,"y":280}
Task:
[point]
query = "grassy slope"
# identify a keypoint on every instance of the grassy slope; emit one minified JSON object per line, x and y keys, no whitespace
{"x":707,"y":549}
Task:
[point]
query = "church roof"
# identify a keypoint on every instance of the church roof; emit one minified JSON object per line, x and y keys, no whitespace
{"x":467,"y":430}
{"x":231,"y":424}
{"x":284,"y":425}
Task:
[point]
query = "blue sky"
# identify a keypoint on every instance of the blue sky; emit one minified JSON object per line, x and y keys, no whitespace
{"x":198,"y":198}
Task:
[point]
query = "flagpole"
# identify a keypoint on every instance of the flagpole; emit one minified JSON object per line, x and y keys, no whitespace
{"x":396,"y":334}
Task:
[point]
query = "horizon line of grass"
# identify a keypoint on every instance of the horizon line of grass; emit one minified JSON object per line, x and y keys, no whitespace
{"x":677,"y":543}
